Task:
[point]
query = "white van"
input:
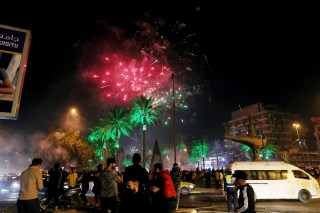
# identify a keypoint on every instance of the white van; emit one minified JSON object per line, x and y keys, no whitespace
{"x":278,"y":180}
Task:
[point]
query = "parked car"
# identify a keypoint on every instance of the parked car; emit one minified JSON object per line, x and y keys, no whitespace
{"x":187,"y":187}
{"x":10,"y":183}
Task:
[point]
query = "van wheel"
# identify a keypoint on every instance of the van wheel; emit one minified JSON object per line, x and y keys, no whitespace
{"x":304,"y":196}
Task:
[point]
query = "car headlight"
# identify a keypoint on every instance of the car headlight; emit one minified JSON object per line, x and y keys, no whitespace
{"x":15,"y":185}
{"x":191,"y":186}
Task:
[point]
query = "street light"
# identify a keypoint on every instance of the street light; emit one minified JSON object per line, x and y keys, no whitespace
{"x":72,"y":111}
{"x":302,"y":143}
{"x":297,"y":126}
{"x":174,"y":120}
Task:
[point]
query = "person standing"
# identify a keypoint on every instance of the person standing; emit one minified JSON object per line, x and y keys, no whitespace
{"x":136,"y":171}
{"x":85,"y":179}
{"x":97,"y":185}
{"x":176,"y":176}
{"x":207,"y":176}
{"x":231,"y":192}
{"x":109,"y":187}
{"x":30,"y":184}
{"x":247,"y":198}
{"x":72,"y":178}
{"x":160,"y":202}
{"x":217,"y":179}
{"x":163,"y":180}
{"x":55,"y":178}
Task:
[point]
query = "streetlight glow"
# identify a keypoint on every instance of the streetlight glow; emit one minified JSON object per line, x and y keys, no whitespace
{"x":72,"y":111}
{"x":297,"y":126}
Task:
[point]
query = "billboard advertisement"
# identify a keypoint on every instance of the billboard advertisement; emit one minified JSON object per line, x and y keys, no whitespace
{"x":14,"y":49}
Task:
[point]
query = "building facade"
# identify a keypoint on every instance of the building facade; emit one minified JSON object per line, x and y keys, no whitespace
{"x":316,"y":121}
{"x":268,"y":121}
{"x":277,"y":126}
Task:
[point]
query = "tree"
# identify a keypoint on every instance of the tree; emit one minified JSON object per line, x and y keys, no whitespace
{"x":181,"y":146}
{"x":117,"y":123}
{"x":79,"y":151}
{"x":247,"y":152}
{"x":183,"y":149}
{"x":127,"y":161}
{"x":106,"y":135}
{"x":199,"y":148}
{"x":265,"y":153}
{"x":66,"y":148}
{"x":144,"y":112}
{"x":268,"y":152}
{"x":98,"y":140}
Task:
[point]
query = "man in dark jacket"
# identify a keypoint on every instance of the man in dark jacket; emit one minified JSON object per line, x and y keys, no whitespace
{"x":247,"y":196}
{"x":160,"y":202}
{"x":55,"y":179}
{"x":85,"y":179}
{"x":176,"y":176}
{"x":136,"y":171}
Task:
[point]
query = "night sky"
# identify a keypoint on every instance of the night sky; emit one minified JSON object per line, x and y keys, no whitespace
{"x":239,"y":55}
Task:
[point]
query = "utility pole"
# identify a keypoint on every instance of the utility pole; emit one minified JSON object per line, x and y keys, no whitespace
{"x":174,"y":119}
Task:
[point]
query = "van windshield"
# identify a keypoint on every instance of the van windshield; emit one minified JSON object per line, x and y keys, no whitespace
{"x":300,"y":174}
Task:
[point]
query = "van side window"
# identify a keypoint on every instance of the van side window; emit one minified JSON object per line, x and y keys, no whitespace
{"x":262,"y":175}
{"x":248,"y":173}
{"x":277,"y":174}
{"x":267,"y":174}
{"x":284,"y":174}
{"x":272,"y":175}
{"x":300,"y":174}
{"x":254,"y":175}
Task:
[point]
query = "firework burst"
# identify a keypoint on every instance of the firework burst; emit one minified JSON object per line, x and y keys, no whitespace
{"x":124,"y":66}
{"x":125,"y":78}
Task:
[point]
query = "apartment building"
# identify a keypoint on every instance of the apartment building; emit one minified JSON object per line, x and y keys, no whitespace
{"x":268,"y":121}
{"x":277,"y":126}
{"x":316,"y":121}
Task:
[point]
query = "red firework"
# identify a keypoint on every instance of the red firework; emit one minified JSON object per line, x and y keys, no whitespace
{"x":124,"y":79}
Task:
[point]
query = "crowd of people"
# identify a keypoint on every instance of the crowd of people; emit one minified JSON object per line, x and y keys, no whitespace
{"x":134,"y":190}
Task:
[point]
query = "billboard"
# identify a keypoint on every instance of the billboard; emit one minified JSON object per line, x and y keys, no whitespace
{"x":14,"y":49}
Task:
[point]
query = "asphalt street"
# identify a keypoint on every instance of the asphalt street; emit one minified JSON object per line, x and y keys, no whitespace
{"x":200,"y":201}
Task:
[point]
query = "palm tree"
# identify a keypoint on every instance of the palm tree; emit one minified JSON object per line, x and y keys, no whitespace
{"x":117,"y":124}
{"x":200,"y":147}
{"x":269,"y":151}
{"x":97,"y":137}
{"x":144,"y":112}
{"x":266,"y":153}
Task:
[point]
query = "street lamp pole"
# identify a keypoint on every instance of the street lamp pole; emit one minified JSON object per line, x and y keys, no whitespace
{"x":203,"y":164}
{"x":297,"y":126}
{"x":174,"y":120}
{"x":72,"y":110}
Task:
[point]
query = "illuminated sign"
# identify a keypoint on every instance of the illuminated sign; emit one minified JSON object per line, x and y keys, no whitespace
{"x":14,"y":49}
